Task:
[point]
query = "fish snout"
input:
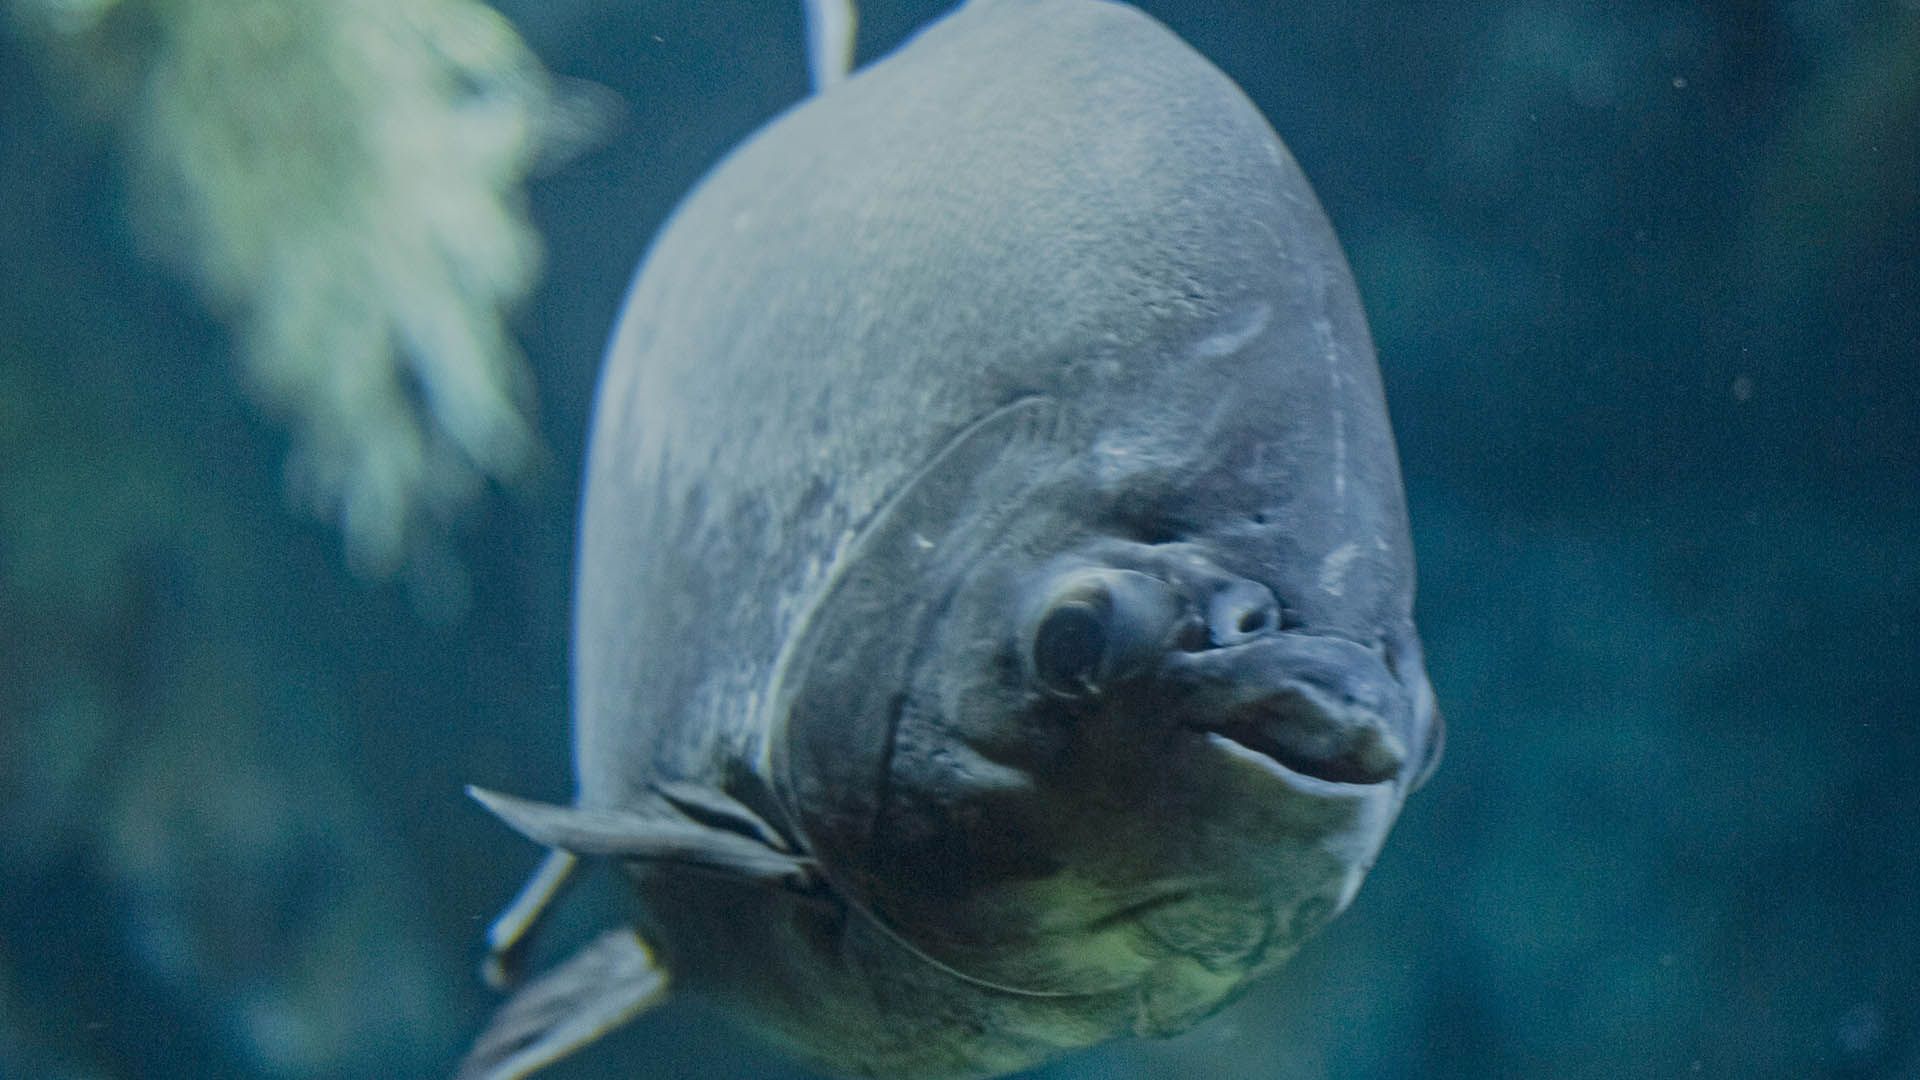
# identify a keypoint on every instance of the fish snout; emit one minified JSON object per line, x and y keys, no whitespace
{"x":1315,"y":706}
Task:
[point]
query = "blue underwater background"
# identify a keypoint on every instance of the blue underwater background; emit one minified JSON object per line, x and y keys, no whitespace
{"x":1645,"y":281}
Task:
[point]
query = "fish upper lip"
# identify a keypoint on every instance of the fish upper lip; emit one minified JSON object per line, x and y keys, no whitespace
{"x":1318,"y":710}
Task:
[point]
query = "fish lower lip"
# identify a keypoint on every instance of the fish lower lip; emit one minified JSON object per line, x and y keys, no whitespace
{"x":1309,"y":744}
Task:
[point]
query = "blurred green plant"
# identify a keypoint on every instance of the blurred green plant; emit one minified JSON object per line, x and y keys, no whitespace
{"x":342,"y":179}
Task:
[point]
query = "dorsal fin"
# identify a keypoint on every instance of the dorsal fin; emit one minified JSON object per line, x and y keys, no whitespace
{"x":830,"y":39}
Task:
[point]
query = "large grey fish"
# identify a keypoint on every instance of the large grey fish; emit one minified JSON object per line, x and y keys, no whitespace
{"x":994,"y":622}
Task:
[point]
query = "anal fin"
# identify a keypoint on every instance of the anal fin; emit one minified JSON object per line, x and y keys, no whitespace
{"x":607,"y":983}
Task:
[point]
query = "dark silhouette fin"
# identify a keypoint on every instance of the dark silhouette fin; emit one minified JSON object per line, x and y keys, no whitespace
{"x":597,"y":989}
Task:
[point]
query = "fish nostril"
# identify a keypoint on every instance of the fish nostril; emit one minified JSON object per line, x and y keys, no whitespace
{"x":1241,"y":611}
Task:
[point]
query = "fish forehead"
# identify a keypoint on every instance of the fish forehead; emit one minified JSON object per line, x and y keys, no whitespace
{"x":1033,"y":197}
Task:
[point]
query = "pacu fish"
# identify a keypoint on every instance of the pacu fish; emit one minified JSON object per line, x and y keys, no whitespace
{"x":994,"y":624}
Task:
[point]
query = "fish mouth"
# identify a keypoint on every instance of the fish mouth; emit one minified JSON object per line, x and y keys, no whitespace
{"x":1296,"y":734}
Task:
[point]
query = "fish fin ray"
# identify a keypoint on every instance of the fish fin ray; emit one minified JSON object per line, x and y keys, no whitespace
{"x":604,"y":985}
{"x":655,"y":831}
{"x":512,"y":930}
{"x":721,"y":810}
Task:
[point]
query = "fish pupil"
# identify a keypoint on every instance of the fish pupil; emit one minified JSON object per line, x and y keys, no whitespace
{"x":1069,"y":646}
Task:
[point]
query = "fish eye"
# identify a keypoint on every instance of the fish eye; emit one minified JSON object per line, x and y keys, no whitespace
{"x":1097,"y":626}
{"x":1070,"y":644}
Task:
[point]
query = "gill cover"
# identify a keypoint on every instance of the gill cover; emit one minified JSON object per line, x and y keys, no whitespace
{"x":839,"y":686}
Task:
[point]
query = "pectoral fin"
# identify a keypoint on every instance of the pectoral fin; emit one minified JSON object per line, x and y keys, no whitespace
{"x":711,"y":832}
{"x":602,"y":986}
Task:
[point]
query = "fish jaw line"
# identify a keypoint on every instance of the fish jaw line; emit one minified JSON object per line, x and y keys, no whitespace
{"x":1246,"y":757}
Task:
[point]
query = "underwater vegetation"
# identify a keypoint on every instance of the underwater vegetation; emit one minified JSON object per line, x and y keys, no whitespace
{"x":342,"y":184}
{"x":1642,"y":277}
{"x":342,"y":180}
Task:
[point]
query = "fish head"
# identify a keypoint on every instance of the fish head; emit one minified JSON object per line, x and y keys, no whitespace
{"x":1128,"y":766}
{"x":1070,"y":759}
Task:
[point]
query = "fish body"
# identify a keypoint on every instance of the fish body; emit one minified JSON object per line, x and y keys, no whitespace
{"x":994,"y":615}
